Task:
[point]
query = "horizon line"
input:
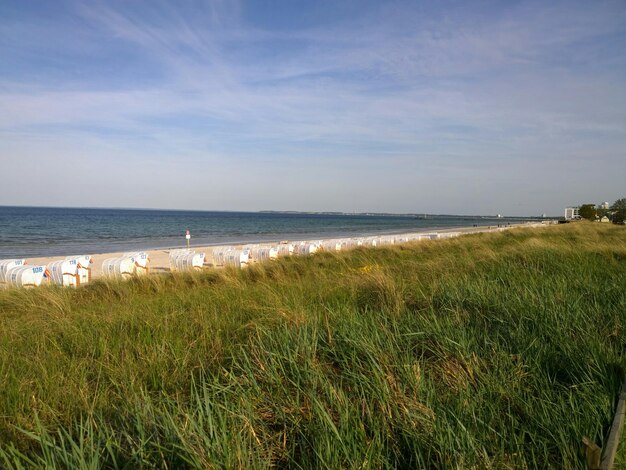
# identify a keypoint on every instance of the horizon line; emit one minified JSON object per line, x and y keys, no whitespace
{"x":328,"y":212}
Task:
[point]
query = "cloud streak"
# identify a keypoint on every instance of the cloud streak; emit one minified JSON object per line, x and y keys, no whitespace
{"x":391,"y":94}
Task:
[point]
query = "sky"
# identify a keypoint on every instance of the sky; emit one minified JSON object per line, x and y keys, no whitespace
{"x":458,"y":107}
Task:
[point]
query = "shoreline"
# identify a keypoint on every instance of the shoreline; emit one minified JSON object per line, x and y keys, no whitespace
{"x":56,"y":233}
{"x":159,"y":257}
{"x":259,"y":239}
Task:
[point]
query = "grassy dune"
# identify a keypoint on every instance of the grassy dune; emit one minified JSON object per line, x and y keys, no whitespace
{"x":486,"y":351}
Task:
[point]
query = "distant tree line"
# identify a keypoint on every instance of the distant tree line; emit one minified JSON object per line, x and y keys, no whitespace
{"x":616,"y":212}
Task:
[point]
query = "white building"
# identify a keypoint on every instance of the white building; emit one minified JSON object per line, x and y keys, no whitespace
{"x":604,"y":205}
{"x":571,"y":213}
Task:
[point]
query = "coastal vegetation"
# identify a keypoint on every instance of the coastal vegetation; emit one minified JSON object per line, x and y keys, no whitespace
{"x":588,"y":211}
{"x":497,"y":350}
{"x":616,"y":213}
{"x":618,"y":209}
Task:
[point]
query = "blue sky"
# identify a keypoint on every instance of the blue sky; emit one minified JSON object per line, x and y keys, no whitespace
{"x":442,"y":107}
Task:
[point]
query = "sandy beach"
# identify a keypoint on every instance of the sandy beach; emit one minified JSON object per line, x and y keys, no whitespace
{"x":159,"y":259}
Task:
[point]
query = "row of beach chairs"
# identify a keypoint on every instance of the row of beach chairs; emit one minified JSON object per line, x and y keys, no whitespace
{"x":75,"y":270}
{"x":186,"y":259}
{"x":70,"y":271}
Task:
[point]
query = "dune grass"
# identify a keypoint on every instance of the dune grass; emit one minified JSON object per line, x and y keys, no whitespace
{"x":487,"y":351}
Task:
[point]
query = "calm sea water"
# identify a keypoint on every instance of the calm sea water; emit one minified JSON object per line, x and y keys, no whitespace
{"x":38,"y":231}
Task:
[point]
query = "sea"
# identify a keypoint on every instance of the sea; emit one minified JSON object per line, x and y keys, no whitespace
{"x":50,"y":231}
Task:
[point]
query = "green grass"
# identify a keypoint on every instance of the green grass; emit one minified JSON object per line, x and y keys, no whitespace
{"x":487,"y":351}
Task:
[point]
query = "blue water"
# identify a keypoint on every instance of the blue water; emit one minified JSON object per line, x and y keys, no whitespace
{"x":43,"y":231}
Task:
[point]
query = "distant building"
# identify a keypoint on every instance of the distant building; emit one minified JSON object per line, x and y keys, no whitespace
{"x":571,"y":213}
{"x":604,"y":205}
{"x":604,"y":219}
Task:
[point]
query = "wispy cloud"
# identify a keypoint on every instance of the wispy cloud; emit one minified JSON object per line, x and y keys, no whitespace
{"x":421,"y":92}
